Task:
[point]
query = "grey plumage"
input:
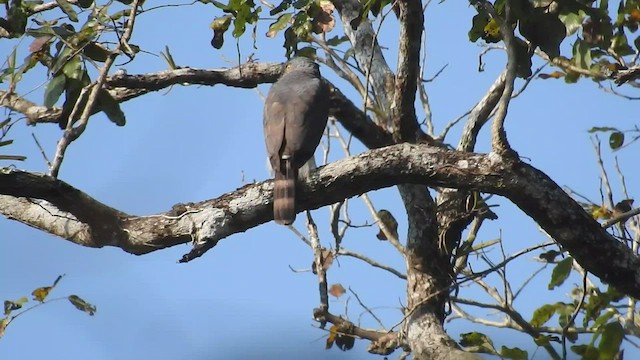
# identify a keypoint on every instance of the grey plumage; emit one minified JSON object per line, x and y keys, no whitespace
{"x":295,"y":115}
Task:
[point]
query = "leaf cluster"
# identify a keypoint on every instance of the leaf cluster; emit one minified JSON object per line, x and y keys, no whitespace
{"x":603,"y":36}
{"x":15,"y":308}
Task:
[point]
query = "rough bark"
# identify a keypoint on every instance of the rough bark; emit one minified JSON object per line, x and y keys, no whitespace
{"x":207,"y":222}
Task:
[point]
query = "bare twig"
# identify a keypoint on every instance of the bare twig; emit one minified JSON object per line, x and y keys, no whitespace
{"x":621,"y":218}
{"x":572,"y":319}
{"x":371,"y":262}
{"x":44,"y":155}
{"x":377,"y":319}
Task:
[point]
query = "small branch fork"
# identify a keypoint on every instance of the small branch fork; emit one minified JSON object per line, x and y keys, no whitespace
{"x":382,"y":342}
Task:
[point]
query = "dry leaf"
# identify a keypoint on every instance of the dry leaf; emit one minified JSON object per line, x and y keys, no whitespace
{"x":327,"y":260}
{"x":324,"y":21}
{"x":600,"y":212}
{"x":337,"y":290}
{"x":623,"y":206}
{"x":38,"y":43}
{"x":3,"y":325}
{"x":553,"y":75}
{"x":41,"y":293}
{"x":333,"y":332}
{"x":345,"y":342}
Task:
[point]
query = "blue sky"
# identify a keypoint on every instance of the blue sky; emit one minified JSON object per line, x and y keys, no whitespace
{"x":241,"y":300}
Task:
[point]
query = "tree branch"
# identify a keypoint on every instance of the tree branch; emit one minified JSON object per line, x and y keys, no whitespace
{"x":382,"y":342}
{"x":406,"y":83}
{"x":499,"y":141}
{"x":366,"y":49}
{"x":125,"y":87}
{"x":480,"y":114}
{"x":207,"y":222}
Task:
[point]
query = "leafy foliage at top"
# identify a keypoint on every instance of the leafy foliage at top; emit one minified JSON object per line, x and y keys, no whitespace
{"x":604,"y":39}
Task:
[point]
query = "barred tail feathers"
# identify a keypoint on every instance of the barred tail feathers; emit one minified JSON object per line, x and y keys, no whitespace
{"x":284,"y":194}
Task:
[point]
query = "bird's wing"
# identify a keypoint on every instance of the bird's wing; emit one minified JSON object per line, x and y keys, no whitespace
{"x":306,"y":118}
{"x":274,"y":127}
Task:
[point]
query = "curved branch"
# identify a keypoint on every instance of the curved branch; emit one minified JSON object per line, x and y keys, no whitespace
{"x":480,"y":114}
{"x":207,"y":222}
{"x":499,"y":141}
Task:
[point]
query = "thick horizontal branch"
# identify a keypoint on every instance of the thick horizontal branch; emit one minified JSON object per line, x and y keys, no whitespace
{"x":207,"y":222}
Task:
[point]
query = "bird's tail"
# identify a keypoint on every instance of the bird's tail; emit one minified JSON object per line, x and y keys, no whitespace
{"x":284,"y":194}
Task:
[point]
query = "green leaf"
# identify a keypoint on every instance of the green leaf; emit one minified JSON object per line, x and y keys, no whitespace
{"x":10,"y":306}
{"x":478,"y":341}
{"x":85,"y":4}
{"x":66,"y":8}
{"x":299,"y":4}
{"x":279,"y":25}
{"x":616,"y":140}
{"x":612,"y":335}
{"x":54,"y":89}
{"x":587,"y":352}
{"x":239,"y":26}
{"x":513,"y":353}
{"x":96,"y":52}
{"x":168,"y":58}
{"x":307,"y":51}
{"x":560,"y":273}
{"x":477,"y":27}
{"x":620,"y":45}
{"x":111,"y":108}
{"x":571,"y":77}
{"x":73,"y":68}
{"x":82,"y":305}
{"x":220,"y":26}
{"x":337,"y":40}
{"x":543,"y":29}
{"x":582,"y":54}
{"x":13,"y":157}
{"x":572,"y":21}
{"x":542,"y":314}
{"x":17,"y":18}
{"x":602,"y":319}
{"x":544,"y":340}
{"x":280,"y":8}
{"x":601,"y":129}
{"x":5,"y":122}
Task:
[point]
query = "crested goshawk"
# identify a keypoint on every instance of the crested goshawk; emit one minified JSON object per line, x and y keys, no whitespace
{"x":295,"y":116}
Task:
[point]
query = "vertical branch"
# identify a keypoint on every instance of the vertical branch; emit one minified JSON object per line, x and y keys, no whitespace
{"x":403,"y":106}
{"x":481,"y":113}
{"x":71,"y":132}
{"x":366,"y":49}
{"x":319,"y":259}
{"x":499,"y":141}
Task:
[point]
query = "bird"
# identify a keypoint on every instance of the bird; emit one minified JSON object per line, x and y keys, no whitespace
{"x":295,"y":116}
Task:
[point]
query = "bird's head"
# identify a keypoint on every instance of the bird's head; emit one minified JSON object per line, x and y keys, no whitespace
{"x":303,"y":64}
